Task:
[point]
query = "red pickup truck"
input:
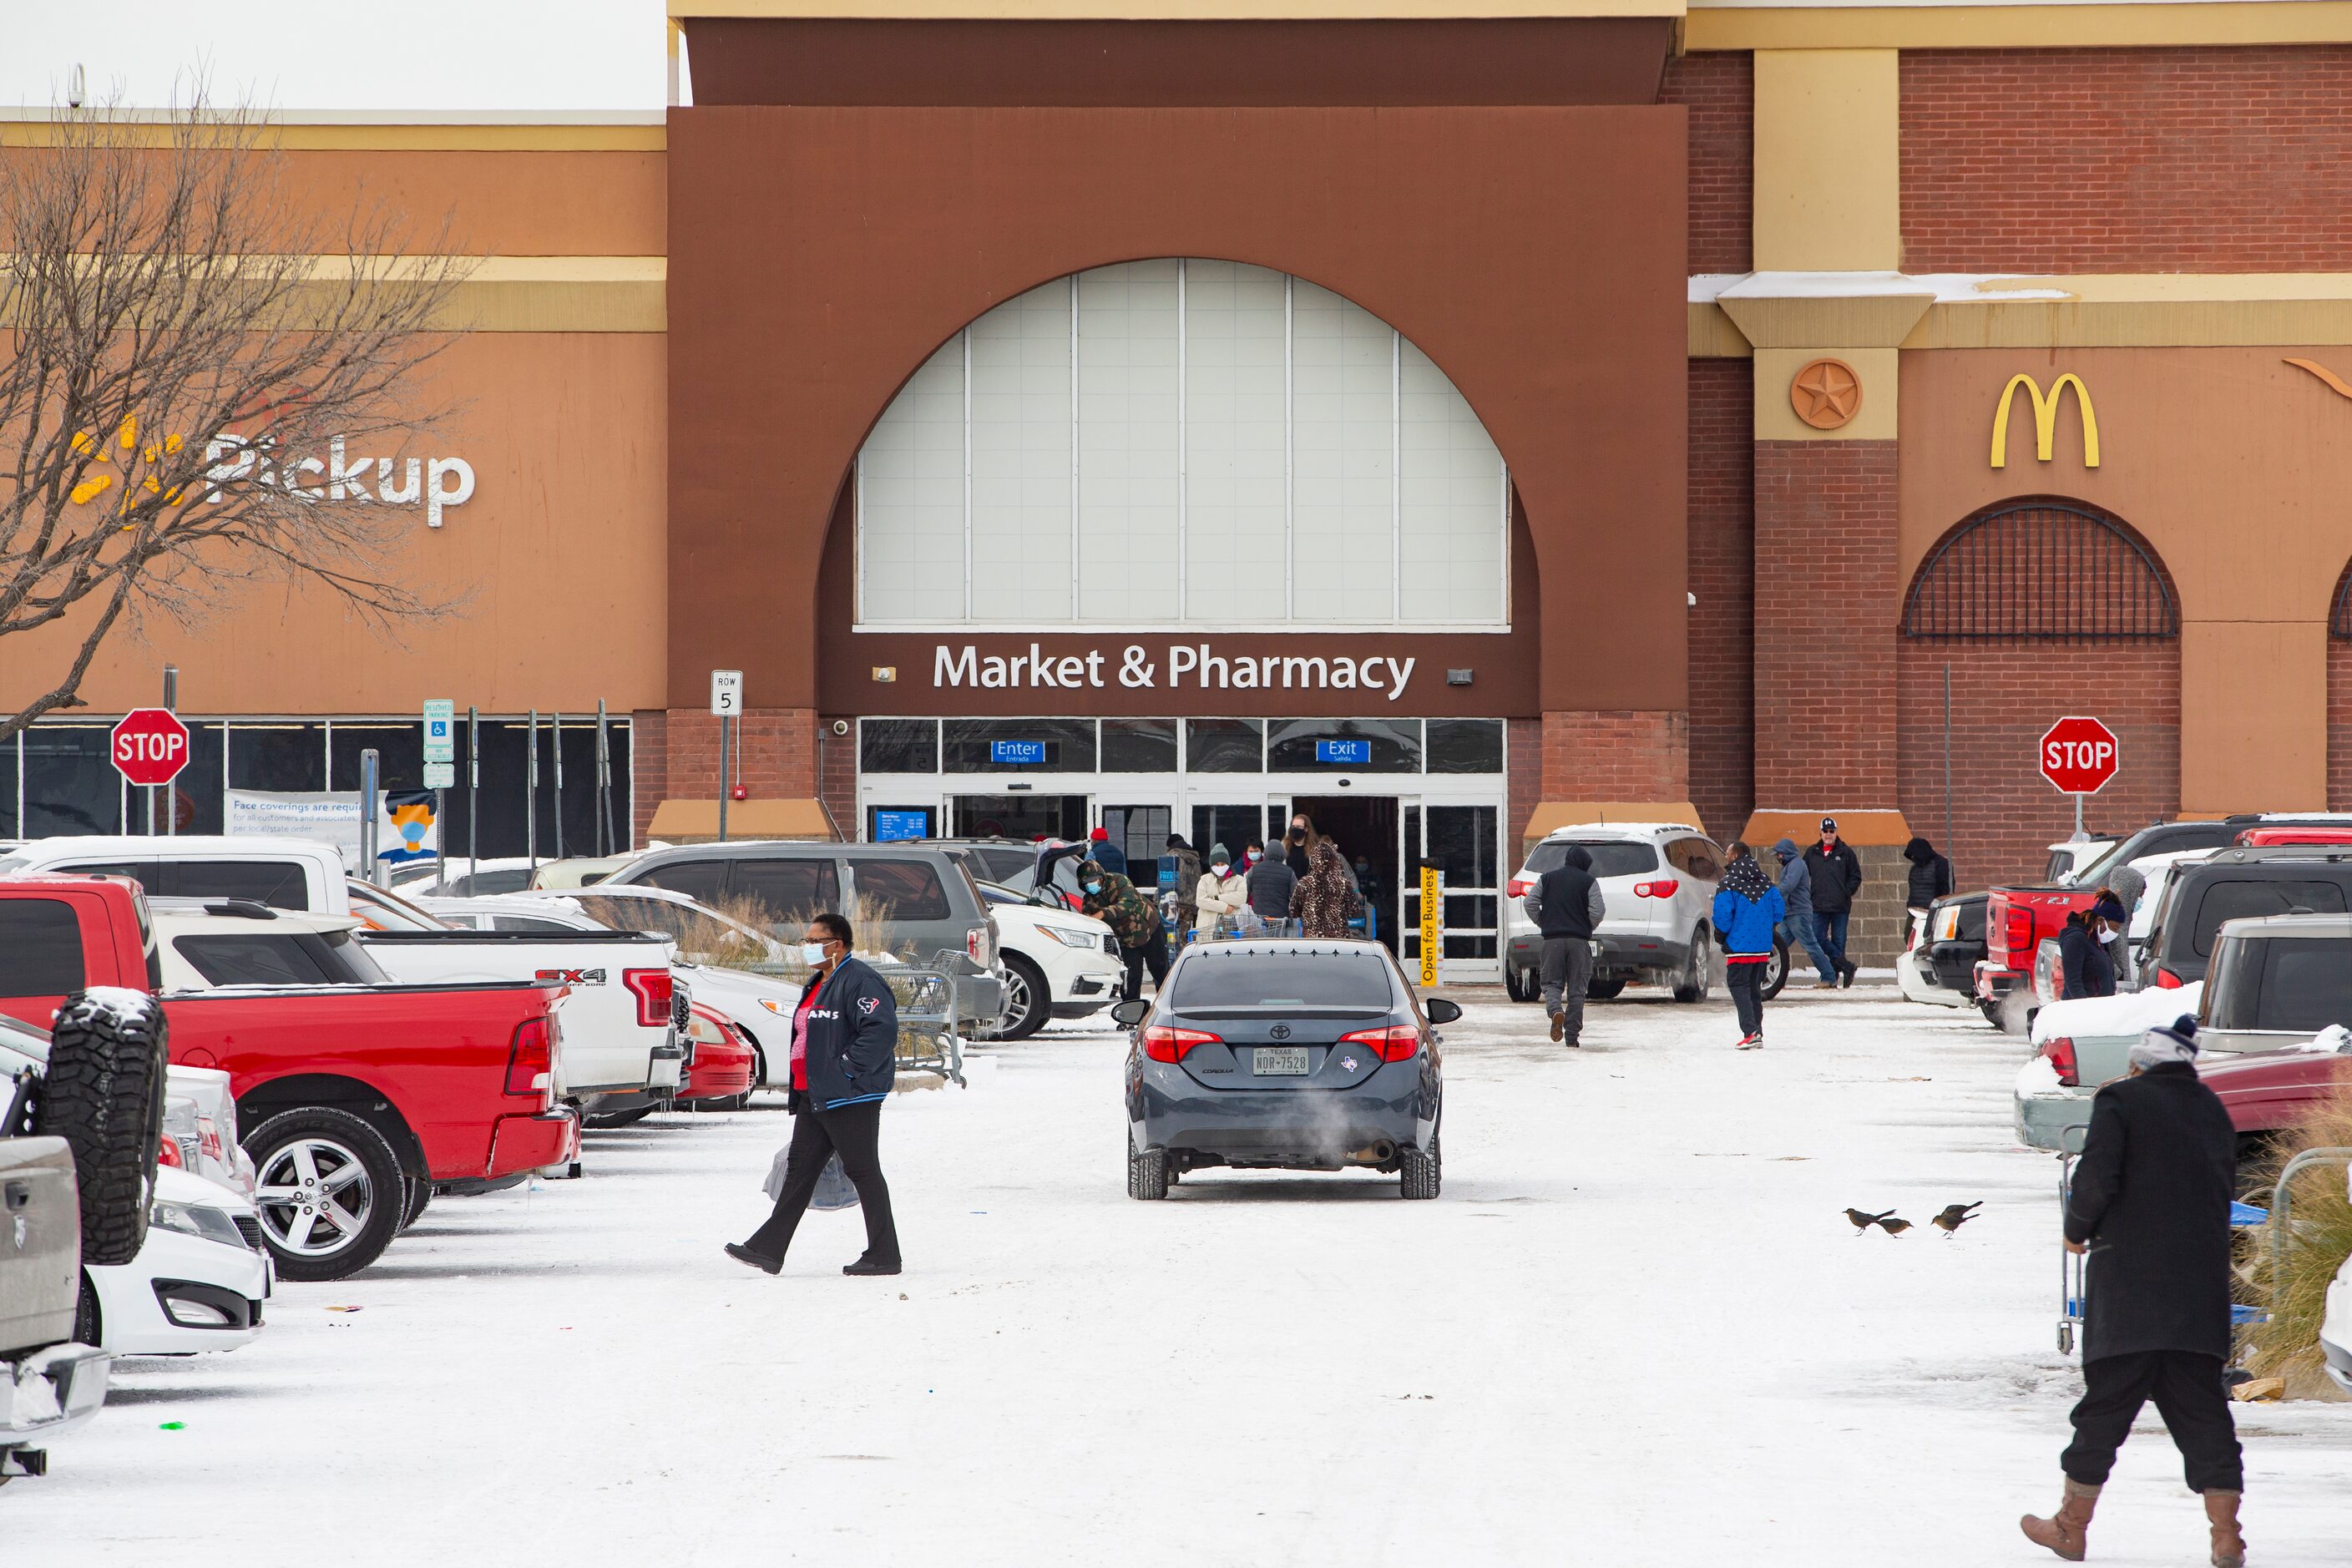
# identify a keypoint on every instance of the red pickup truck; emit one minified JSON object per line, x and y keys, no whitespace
{"x":2016,"y":921}
{"x":353,"y":1101}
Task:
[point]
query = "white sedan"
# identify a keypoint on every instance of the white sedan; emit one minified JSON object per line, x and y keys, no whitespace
{"x":197,"y":1284}
{"x":1058,"y":963}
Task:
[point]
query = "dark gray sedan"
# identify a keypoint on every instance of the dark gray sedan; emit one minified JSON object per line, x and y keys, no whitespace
{"x":1287,"y":1055}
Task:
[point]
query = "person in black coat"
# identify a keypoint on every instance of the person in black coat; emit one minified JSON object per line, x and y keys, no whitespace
{"x":1931,"y":875}
{"x":845,"y":1062}
{"x":2082,"y":948}
{"x":1836,"y":872}
{"x":2150,"y":1203}
{"x":1567,"y":906}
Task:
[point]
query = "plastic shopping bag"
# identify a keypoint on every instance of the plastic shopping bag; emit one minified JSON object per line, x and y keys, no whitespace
{"x":834,"y":1190}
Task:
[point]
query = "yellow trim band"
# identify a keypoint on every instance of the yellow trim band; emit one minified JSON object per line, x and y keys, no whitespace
{"x":1165,"y":10}
{"x":2028,"y":27}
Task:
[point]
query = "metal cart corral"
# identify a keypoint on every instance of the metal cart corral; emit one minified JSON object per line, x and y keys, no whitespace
{"x":929,"y":1038}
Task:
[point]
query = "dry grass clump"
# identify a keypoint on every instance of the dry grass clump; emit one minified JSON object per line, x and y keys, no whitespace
{"x":869,"y":919}
{"x":2319,"y":1217}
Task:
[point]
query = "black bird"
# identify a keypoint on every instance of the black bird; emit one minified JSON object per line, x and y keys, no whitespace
{"x":1862,"y":1221}
{"x":1893,"y":1227}
{"x":1954,"y":1216}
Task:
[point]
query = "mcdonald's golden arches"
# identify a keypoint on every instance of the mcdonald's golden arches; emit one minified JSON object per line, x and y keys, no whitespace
{"x":2045,"y":418}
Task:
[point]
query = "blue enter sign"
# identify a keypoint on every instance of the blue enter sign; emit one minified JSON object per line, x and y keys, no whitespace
{"x":1345,"y":753}
{"x":1016,"y":753}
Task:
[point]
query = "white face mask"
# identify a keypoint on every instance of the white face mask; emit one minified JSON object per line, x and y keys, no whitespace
{"x":813,"y":953}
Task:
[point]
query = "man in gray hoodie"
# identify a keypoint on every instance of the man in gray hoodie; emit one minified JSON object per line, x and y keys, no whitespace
{"x":1797,"y":892}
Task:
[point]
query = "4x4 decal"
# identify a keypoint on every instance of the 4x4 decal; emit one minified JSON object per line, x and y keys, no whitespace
{"x":573,"y":976}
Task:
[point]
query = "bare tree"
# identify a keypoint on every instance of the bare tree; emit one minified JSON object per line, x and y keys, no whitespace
{"x":203,"y":383}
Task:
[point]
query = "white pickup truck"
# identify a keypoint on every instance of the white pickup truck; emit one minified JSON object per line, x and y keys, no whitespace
{"x":619,"y":1023}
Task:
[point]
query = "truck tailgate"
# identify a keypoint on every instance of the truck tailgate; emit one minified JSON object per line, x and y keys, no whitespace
{"x":43,"y":1279}
{"x":609,"y":1025}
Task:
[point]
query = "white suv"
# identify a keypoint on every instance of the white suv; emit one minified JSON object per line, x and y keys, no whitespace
{"x":1658,"y":880}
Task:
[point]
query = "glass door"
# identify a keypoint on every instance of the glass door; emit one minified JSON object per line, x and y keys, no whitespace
{"x":1466,"y":842}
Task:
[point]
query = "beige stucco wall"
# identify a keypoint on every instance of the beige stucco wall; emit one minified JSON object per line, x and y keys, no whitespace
{"x":2235,"y":465}
{"x":560,"y":560}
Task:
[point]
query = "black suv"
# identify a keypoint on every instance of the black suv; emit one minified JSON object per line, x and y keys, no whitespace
{"x":2240,"y":884}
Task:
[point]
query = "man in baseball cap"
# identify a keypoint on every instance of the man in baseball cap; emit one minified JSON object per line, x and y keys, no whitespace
{"x":1105,"y":853}
{"x":1837,"y":877}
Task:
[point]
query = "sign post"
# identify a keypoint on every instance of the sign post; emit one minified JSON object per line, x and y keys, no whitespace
{"x":440,"y":761}
{"x":1432,"y":920}
{"x":473,"y":789}
{"x":726,"y":702}
{"x":149,"y":747}
{"x":369,"y":808}
{"x":2079,"y":756}
{"x":171,"y":795}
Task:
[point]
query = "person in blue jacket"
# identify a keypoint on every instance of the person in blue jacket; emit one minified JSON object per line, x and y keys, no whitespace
{"x":845,"y":1055}
{"x":1747,"y":908}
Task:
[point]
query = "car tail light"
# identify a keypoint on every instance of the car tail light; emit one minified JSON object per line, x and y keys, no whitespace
{"x":980,"y":944}
{"x":2061,"y":1052}
{"x":1521,"y":886}
{"x":652,"y":988}
{"x":1395,"y":1042}
{"x":2166,"y":980}
{"x":208,"y":1140}
{"x":2017,"y":934}
{"x":530,"y":1058}
{"x":1661,"y":888}
{"x":167,"y":1153}
{"x":1163,"y":1044}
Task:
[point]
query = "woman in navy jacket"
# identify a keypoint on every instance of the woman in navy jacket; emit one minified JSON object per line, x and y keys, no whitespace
{"x":844,"y":1056}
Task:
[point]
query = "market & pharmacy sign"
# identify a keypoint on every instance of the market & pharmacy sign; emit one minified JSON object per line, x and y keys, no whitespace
{"x":1137,"y":670}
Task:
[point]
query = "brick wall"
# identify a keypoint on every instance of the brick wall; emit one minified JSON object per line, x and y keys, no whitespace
{"x":776,"y":760}
{"x":836,"y":757}
{"x":1825,"y":620}
{"x":2180,"y":160}
{"x":1722,"y":575}
{"x":1638,"y":755}
{"x":649,"y":767}
{"x":2005,"y":816}
{"x":1719,"y":90}
{"x":2339,"y":725}
{"x":1522,"y":780}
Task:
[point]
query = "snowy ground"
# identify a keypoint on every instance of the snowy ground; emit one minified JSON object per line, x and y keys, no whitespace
{"x":1635,"y":1329}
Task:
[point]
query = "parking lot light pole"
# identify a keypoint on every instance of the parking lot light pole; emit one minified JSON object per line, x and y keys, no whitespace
{"x":531,"y":797}
{"x":606,"y":844}
{"x":555,"y":744}
{"x":172,"y":790}
{"x":473,"y":788}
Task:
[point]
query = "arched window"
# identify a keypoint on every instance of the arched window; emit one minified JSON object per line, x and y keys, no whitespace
{"x":2339,"y":620}
{"x":2041,"y":570}
{"x":1180,"y":443}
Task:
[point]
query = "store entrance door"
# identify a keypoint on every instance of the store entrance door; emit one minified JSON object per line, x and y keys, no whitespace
{"x":1365,"y":826}
{"x":1023,"y":816}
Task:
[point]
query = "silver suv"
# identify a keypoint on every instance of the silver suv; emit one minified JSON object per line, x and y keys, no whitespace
{"x":1658,"y":880}
{"x":928,"y":901}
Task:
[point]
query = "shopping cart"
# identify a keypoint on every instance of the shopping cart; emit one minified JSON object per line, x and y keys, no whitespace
{"x":2073,"y":1267}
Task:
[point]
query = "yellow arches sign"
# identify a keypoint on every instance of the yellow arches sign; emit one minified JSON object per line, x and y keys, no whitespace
{"x":2045,"y":418}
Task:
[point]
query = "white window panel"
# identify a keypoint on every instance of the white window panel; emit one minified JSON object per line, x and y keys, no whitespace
{"x":1344,"y":428}
{"x":1021,"y":479}
{"x":1450,"y":493}
{"x":1234,"y":464}
{"x":1128,"y":520}
{"x":911,"y":499}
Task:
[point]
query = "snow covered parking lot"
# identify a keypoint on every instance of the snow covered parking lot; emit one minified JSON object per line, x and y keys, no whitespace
{"x":1634,"y":1329}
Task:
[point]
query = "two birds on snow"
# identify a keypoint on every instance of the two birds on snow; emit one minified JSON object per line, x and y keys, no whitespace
{"x":1954,"y":1216}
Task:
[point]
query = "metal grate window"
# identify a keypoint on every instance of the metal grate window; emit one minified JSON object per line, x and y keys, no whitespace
{"x":2041,"y":571}
{"x":2340,"y":623}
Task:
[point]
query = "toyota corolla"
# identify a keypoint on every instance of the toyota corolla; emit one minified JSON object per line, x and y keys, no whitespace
{"x":1284,"y":1055}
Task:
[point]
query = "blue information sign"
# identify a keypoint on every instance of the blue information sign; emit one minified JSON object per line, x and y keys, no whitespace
{"x":1016,"y":753}
{"x":1347,"y":753}
{"x":892,"y":826}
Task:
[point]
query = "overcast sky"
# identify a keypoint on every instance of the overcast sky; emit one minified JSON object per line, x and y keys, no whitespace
{"x":293,"y":54}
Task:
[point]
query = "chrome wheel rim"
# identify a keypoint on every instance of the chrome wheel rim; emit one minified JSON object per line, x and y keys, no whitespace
{"x":1016,"y":991}
{"x":315,"y":1198}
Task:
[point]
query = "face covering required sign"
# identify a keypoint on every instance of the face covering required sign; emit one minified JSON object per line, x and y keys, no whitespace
{"x":1207,"y":669}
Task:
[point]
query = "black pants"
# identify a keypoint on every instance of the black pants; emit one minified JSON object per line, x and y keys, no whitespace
{"x":1153,"y":954}
{"x":2188,"y":1394}
{"x":853,"y":1132}
{"x":1747,"y":983}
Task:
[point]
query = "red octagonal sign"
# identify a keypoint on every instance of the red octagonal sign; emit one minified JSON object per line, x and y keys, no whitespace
{"x":2079,"y":755}
{"x":151,"y":746}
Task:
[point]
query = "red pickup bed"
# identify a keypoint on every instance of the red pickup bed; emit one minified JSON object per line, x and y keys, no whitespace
{"x":454,"y":1082}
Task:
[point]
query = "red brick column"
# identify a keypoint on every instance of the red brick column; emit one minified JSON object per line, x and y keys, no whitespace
{"x":648,"y":768}
{"x":2339,"y":725}
{"x":1642,"y":755}
{"x":1826,"y":607}
{"x":836,"y":757}
{"x":1722,"y":465}
{"x":775,"y":755}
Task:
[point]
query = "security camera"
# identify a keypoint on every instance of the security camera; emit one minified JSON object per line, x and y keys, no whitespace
{"x":840,"y":726}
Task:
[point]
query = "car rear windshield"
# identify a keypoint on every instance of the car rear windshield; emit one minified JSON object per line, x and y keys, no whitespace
{"x":1611,"y":857}
{"x":2242,"y":897}
{"x":1218,"y":979}
{"x":279,"y":957}
{"x":2299,"y":984}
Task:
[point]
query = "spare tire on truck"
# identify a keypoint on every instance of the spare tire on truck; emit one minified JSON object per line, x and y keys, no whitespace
{"x":103,"y":1094}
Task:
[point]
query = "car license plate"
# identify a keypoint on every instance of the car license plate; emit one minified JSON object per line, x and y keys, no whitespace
{"x":1278,"y":1061}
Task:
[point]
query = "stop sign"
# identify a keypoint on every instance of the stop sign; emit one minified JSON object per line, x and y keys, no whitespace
{"x":151,"y":746}
{"x":2078,"y":755}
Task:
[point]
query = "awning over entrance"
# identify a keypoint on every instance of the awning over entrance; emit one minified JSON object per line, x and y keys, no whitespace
{"x":696,"y":821}
{"x":1551,"y":816}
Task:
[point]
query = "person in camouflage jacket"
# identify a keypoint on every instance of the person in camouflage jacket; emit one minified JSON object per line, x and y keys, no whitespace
{"x":1114,"y":901}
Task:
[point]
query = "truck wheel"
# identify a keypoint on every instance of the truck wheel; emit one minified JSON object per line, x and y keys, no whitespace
{"x":1776,"y":971}
{"x":609,"y":1120}
{"x":1604,"y":990}
{"x":1419,"y":1174}
{"x":1521,"y":984}
{"x":329,"y":1190}
{"x":1028,"y":1000}
{"x":419,"y":1194}
{"x":1147,"y":1174}
{"x":1692,"y":980}
{"x":103,"y":1094}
